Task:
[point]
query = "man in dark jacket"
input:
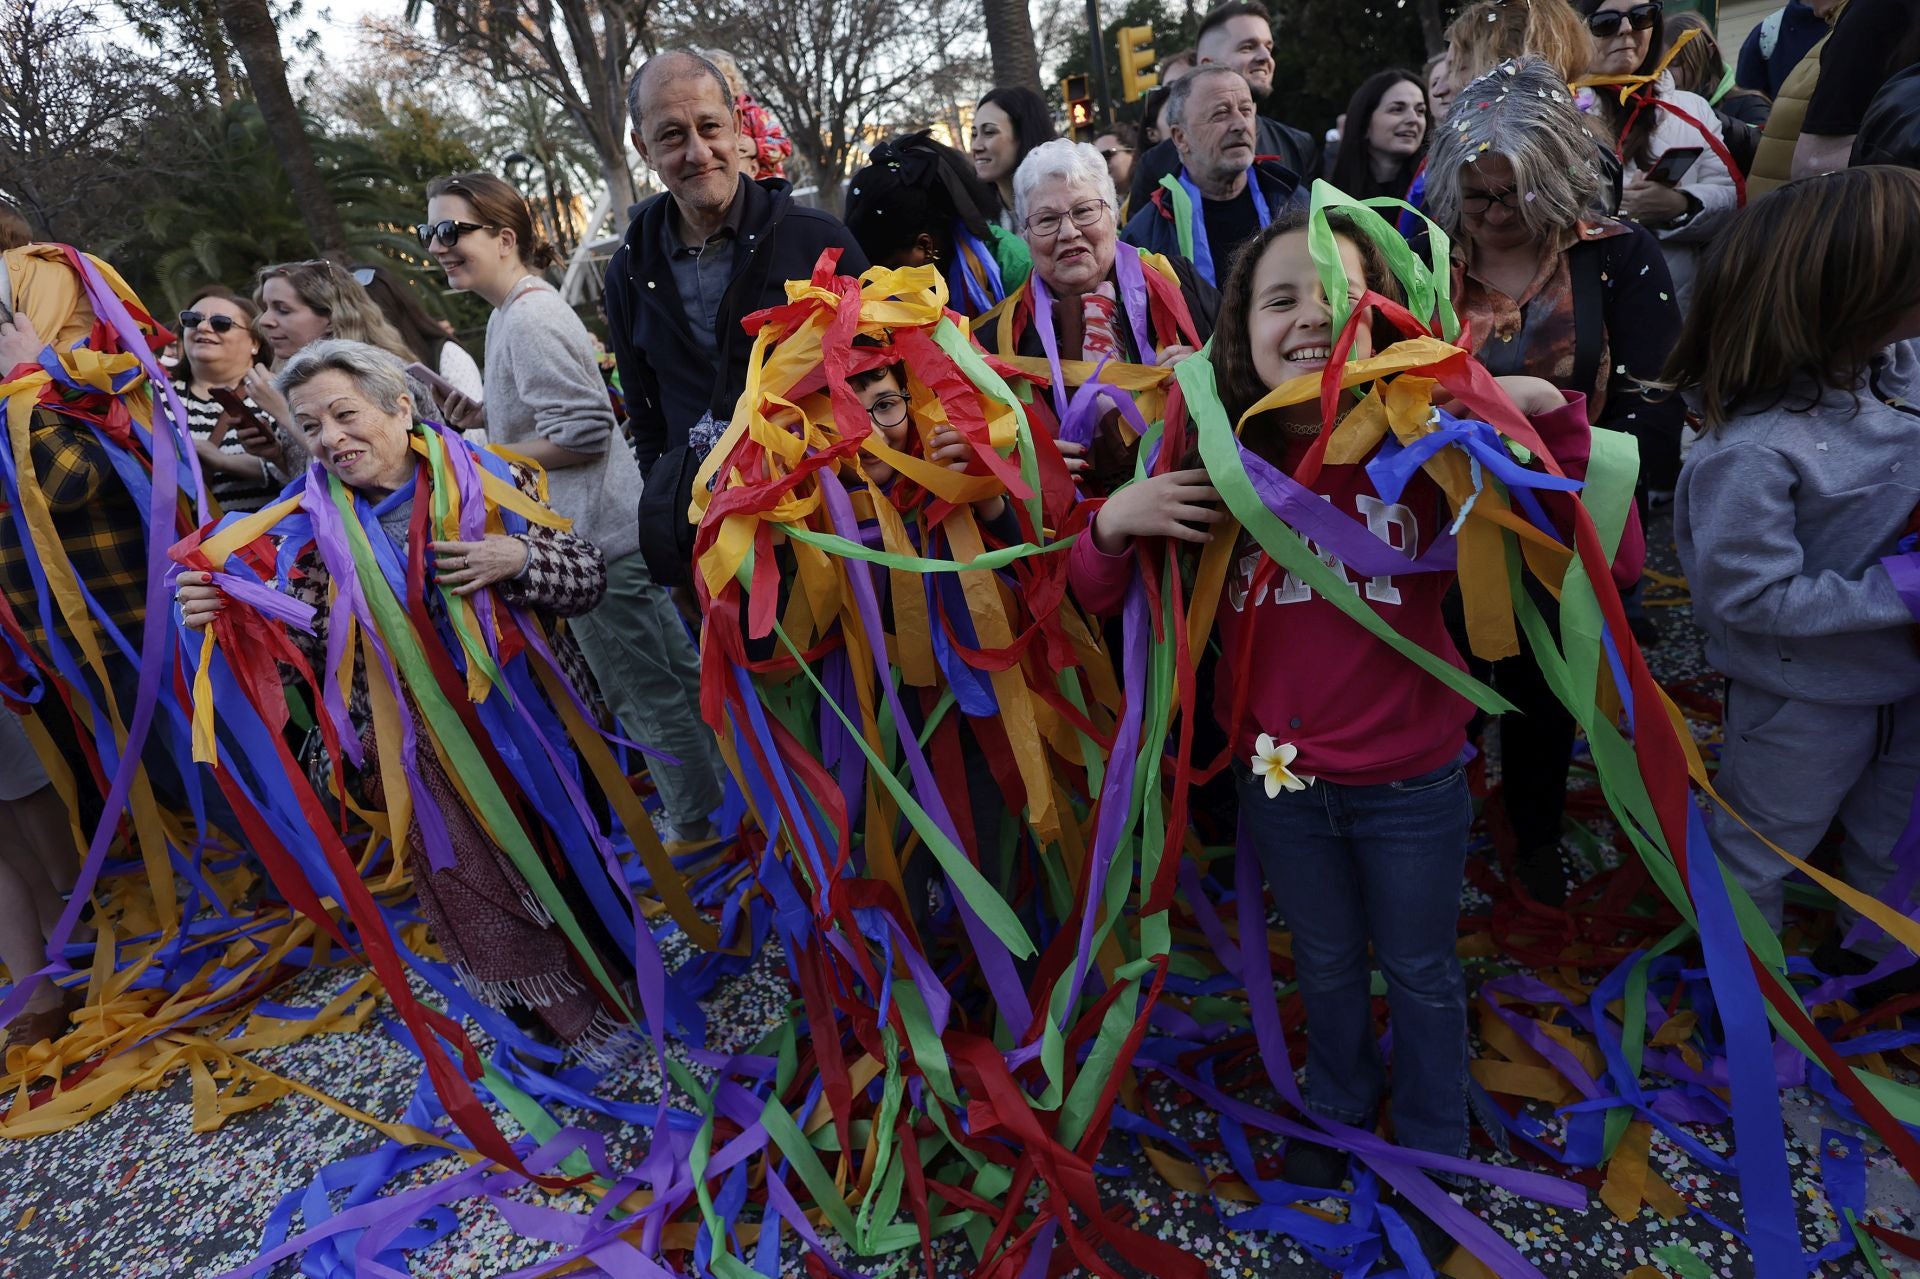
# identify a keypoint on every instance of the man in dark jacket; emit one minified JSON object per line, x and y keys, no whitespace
{"x":1218,"y":198}
{"x":1238,"y":35}
{"x":695,"y":263}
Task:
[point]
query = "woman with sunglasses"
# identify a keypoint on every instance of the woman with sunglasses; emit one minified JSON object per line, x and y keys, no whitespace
{"x":1549,"y":291}
{"x":218,"y":348}
{"x":1682,"y":206}
{"x":546,"y":401}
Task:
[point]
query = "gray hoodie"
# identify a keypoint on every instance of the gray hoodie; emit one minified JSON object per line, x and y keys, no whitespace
{"x":1782,"y":518}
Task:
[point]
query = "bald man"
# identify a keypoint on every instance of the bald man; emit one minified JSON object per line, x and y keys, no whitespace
{"x":695,"y":262}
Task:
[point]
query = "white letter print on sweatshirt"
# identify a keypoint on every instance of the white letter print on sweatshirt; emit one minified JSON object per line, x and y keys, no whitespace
{"x":1384,"y":521}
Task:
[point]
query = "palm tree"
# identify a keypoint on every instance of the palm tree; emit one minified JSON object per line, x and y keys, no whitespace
{"x":241,"y":212}
{"x":250,"y":27}
{"x":1010,"y":39}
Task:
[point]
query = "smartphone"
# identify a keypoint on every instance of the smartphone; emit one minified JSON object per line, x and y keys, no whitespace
{"x":431,"y":380}
{"x":233,"y":402}
{"x":1673,"y":165}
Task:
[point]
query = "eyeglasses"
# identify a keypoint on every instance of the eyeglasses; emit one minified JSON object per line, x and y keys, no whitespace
{"x":1110,"y":152}
{"x":1480,"y":201}
{"x":1084,"y":215}
{"x":888,"y":410}
{"x":191,"y":320}
{"x":1640,"y":17}
{"x":447,"y":231}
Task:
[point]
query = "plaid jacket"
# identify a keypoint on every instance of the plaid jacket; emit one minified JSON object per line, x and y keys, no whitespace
{"x":565,"y":577}
{"x":102,"y":531}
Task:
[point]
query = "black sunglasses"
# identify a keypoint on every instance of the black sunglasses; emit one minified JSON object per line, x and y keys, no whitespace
{"x":1640,"y":17}
{"x":191,"y":320}
{"x":447,"y":231}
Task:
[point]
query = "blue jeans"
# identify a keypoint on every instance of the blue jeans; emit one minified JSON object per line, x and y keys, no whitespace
{"x":1353,"y":864}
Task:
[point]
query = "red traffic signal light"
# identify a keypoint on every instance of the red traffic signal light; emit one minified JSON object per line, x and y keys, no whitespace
{"x":1080,"y":114}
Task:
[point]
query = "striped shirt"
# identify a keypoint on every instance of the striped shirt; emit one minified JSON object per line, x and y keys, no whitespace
{"x":245,"y":492}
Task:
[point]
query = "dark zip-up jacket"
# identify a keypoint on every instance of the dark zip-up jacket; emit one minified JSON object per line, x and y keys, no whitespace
{"x":669,"y":380}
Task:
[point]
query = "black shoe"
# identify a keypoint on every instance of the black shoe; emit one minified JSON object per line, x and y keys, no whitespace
{"x":1436,"y":1245}
{"x":1543,"y":873}
{"x":1311,"y":1163}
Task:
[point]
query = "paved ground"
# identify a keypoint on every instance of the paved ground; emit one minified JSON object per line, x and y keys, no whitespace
{"x":135,"y":1194}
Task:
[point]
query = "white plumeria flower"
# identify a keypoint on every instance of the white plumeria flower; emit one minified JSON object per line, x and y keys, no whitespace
{"x":1271,"y":760}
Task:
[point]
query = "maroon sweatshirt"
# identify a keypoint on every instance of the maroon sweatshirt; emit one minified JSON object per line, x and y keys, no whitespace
{"x":1359,"y":712}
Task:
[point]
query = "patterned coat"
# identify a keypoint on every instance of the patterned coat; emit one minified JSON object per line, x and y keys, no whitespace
{"x":565,"y":577}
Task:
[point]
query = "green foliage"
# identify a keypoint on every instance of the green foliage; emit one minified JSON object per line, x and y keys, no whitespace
{"x":235,"y":211}
{"x":1323,"y":49}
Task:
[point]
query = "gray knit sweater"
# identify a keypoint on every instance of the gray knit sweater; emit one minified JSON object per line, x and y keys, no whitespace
{"x":542,"y":384}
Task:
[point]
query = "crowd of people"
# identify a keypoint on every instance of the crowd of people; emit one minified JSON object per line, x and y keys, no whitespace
{"x":1643,"y":241}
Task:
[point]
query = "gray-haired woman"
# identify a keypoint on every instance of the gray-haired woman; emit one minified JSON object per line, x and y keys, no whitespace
{"x":1075,"y":311}
{"x":1550,"y":291}
{"x":489,"y":915}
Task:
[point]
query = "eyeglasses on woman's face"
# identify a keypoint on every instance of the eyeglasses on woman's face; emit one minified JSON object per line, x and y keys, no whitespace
{"x":447,"y":231}
{"x":889,"y":410}
{"x":1478,"y":202}
{"x":191,"y":320}
{"x":1639,"y":18}
{"x":1047,"y":224}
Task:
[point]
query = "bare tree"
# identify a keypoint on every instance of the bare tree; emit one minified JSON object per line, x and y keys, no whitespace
{"x":67,"y":102}
{"x":189,"y":32}
{"x":577,"y":54}
{"x":250,"y":27}
{"x":1016,"y":62}
{"x":839,"y":73}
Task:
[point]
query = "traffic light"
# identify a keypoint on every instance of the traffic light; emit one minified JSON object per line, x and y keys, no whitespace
{"x":1136,"y":59}
{"x":1074,"y":92}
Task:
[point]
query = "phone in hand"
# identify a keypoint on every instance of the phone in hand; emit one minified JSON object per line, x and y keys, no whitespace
{"x":1673,"y":165}
{"x":233,"y":402}
{"x":431,"y":380}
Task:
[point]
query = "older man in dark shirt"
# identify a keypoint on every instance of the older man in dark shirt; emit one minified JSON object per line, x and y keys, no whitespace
{"x":696,"y":262}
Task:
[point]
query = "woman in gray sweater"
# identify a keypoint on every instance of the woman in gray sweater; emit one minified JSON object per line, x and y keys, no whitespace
{"x":546,"y":402}
{"x":1791,"y":517}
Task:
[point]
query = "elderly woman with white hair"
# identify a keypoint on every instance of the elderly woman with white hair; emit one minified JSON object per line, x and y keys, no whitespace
{"x":1093,"y":311}
{"x":450,"y":566}
{"x":1551,"y":291}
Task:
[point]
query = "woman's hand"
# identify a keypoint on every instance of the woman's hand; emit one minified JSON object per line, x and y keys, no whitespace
{"x":463,"y":414}
{"x":1075,"y":456}
{"x":258,"y":386}
{"x":1159,"y":506}
{"x":19,"y":343}
{"x":1172,"y":355}
{"x":1651,"y":203}
{"x":199,"y":599}
{"x":257,"y":438}
{"x":466,"y":567}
